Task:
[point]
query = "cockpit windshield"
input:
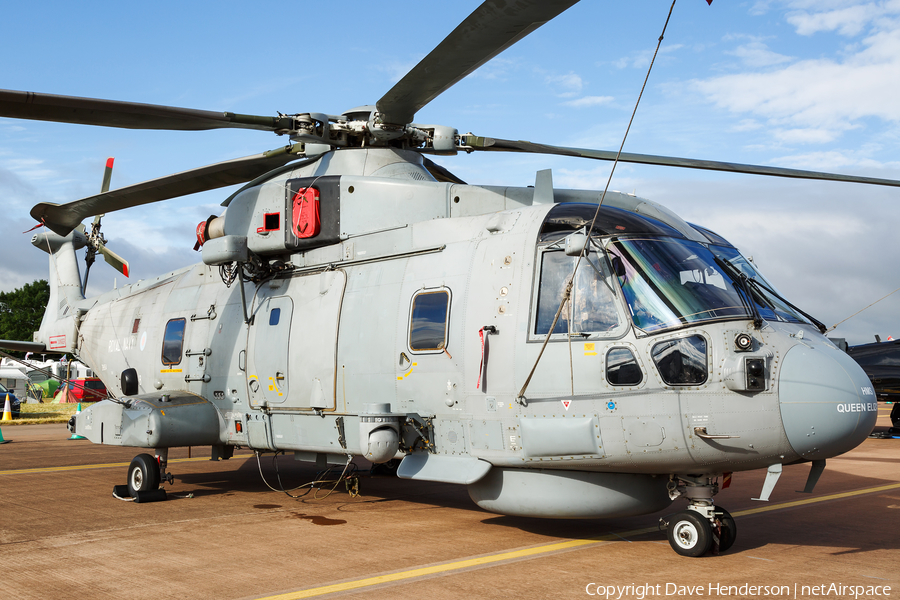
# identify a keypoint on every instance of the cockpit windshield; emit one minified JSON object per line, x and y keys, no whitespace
{"x":669,"y":282}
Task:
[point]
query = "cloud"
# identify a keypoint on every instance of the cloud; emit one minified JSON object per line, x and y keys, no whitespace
{"x":641,"y":59}
{"x":396,"y":70}
{"x":747,"y":125}
{"x":589,"y":101}
{"x":145,"y":261}
{"x":815,"y":101}
{"x":22,"y":263}
{"x":845,"y":20}
{"x":809,"y":135}
{"x":816,"y":242}
{"x":568,"y":84}
{"x":757,"y":54}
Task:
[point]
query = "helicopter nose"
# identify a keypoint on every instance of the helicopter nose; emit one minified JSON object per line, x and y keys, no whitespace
{"x":828,"y":405}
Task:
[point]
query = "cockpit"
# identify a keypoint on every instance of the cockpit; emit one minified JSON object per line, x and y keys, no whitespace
{"x":664,"y":279}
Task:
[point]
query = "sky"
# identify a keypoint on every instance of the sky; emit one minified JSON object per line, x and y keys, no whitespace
{"x":808,"y":84}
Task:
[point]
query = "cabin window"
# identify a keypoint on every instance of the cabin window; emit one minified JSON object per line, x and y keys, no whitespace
{"x":592,"y":307}
{"x":622,"y":367}
{"x":173,"y":341}
{"x":681,"y":361}
{"x":136,"y":325}
{"x":429,"y":321}
{"x":274,"y":316}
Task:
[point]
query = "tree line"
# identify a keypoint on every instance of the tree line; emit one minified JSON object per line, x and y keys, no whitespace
{"x":22,"y":309}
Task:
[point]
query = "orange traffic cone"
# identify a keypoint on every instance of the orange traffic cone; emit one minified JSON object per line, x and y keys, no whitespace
{"x":74,"y":435}
{"x":7,"y":411}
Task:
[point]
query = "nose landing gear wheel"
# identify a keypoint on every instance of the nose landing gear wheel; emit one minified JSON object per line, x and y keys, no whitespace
{"x":689,"y":533}
{"x":143,"y":474}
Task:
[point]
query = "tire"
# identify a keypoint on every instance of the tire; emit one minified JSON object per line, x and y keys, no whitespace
{"x":143,"y":474}
{"x":689,"y":533}
{"x":729,"y":529}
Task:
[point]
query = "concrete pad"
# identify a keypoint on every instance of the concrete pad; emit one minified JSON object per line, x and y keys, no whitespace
{"x":63,"y":535}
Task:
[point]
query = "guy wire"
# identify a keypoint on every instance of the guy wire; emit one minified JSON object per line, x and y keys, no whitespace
{"x":568,"y":290}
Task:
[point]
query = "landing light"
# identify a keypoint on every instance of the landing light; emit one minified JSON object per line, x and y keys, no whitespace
{"x":743,"y":342}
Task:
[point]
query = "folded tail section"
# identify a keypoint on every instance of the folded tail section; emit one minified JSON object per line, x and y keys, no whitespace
{"x":59,"y":327}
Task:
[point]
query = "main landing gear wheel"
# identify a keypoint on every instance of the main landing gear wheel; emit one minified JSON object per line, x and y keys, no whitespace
{"x":143,"y":474}
{"x":689,"y":533}
{"x":726,"y":528}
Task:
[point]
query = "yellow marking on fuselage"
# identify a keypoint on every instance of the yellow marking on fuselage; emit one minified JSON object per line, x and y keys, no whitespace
{"x":274,"y":387}
{"x":408,"y":373}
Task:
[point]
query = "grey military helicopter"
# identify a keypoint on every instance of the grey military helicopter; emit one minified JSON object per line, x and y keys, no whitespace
{"x":559,"y":356}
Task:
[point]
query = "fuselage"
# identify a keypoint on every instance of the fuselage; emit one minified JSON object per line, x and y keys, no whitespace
{"x":446,"y":318}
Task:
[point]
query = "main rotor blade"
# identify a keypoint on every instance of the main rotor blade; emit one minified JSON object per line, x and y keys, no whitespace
{"x":62,"y":218}
{"x":490,"y":29}
{"x":127,"y":115}
{"x":498,"y":145}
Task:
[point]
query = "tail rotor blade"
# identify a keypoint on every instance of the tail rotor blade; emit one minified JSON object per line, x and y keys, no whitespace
{"x":116,"y":261}
{"x":107,"y":175}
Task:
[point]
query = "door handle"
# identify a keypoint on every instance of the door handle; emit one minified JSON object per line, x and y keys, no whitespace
{"x":701,"y":433}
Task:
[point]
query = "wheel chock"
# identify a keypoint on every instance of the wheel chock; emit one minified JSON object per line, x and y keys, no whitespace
{"x":122,"y":493}
{"x":157,"y":495}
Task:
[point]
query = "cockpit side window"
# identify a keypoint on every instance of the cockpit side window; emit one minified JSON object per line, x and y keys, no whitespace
{"x":592,"y":308}
{"x":681,"y":361}
{"x":173,"y":342}
{"x":622,"y":367}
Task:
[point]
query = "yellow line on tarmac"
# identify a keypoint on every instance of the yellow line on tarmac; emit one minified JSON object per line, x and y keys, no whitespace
{"x":446,"y":567}
{"x":753,"y":511}
{"x":535,"y":551}
{"x":99,"y":466}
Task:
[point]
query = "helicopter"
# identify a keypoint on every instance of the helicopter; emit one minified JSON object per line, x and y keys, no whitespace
{"x":562,"y":353}
{"x":880,"y":361}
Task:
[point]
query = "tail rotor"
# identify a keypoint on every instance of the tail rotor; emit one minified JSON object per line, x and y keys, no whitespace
{"x":96,"y":242}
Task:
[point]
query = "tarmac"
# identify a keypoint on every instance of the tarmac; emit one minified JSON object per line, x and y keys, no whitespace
{"x":224,"y":534}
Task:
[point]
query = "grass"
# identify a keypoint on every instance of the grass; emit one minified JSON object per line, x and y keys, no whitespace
{"x":33,"y":414}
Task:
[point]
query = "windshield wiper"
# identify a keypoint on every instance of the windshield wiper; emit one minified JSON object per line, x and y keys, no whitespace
{"x":742,"y":282}
{"x":760,"y":286}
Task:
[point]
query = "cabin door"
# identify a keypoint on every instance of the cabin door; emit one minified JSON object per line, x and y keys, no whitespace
{"x":317,"y":309}
{"x":292,"y":348}
{"x":269,"y":348}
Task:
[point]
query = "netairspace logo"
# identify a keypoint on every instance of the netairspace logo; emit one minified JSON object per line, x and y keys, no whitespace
{"x":715,"y":590}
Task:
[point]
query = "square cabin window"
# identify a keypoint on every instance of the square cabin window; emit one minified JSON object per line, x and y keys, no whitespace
{"x":429,"y":321}
{"x":173,"y":341}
